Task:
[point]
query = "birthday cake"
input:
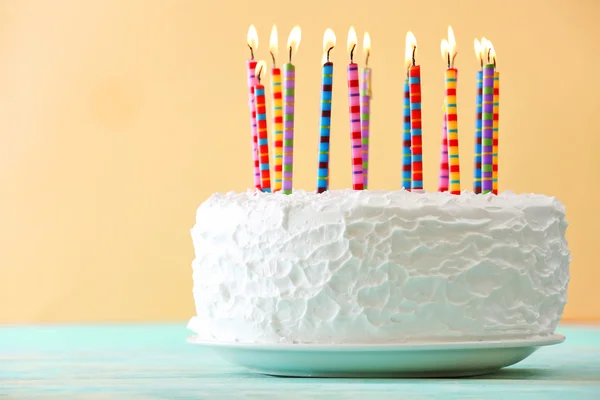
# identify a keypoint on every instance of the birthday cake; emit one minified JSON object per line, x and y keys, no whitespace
{"x":378,"y":267}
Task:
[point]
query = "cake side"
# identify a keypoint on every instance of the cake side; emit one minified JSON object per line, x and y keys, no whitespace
{"x":378,"y":267}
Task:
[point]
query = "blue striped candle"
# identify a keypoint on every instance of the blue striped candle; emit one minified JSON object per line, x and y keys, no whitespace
{"x":406,"y":152}
{"x":326,"y":96}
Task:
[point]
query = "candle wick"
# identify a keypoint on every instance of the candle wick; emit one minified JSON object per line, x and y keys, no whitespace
{"x":494,"y":62}
{"x":273,"y":57}
{"x":352,"y":53}
{"x":367,"y":58}
{"x":290,"y":58}
{"x":251,"y":52}
{"x":481,"y":62}
{"x":329,"y":50}
{"x":258,"y":75}
{"x":449,"y":64}
{"x":453,"y":57}
{"x":414,"y":62}
{"x":488,"y":56}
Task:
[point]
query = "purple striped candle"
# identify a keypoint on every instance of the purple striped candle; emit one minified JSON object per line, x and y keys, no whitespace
{"x":487,"y":128}
{"x":289,"y":85}
{"x":365,"y":117}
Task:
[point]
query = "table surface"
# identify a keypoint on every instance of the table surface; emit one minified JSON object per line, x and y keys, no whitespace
{"x":154,"y":362}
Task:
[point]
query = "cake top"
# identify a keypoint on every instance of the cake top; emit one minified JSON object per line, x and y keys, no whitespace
{"x":344,"y":199}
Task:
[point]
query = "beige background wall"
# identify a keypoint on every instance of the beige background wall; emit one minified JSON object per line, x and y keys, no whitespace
{"x":117,"y":118}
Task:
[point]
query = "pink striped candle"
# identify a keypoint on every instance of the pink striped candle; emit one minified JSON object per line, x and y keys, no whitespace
{"x":251,"y":65}
{"x":252,"y":41}
{"x":444,"y":172}
{"x":354,"y":103}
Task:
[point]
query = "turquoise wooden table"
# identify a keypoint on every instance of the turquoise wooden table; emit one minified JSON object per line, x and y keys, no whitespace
{"x":155,"y":362}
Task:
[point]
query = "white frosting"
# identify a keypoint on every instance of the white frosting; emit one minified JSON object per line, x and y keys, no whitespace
{"x":378,"y":267}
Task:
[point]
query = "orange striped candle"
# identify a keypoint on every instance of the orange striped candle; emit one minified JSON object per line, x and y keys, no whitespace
{"x":277,"y":104}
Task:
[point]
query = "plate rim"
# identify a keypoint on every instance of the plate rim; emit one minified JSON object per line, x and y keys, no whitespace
{"x":536,"y":341}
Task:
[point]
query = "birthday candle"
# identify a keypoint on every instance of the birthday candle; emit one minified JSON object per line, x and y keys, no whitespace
{"x":414,"y":80}
{"x":289,"y":90}
{"x":406,"y":141}
{"x":495,"y":126}
{"x":263,"y":136}
{"x":449,"y":53}
{"x":277,"y":114}
{"x":478,"y":121}
{"x":365,"y":109}
{"x":250,"y":67}
{"x":487,"y":128}
{"x":354,"y":105}
{"x":444,"y":173}
{"x":326,"y":96}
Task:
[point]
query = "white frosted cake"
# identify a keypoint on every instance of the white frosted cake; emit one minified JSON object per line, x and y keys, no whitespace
{"x":378,"y":267}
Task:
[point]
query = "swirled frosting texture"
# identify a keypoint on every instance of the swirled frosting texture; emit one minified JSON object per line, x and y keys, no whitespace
{"x":378,"y":267}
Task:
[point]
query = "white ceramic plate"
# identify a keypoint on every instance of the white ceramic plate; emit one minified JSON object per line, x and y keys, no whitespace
{"x":440,"y":359}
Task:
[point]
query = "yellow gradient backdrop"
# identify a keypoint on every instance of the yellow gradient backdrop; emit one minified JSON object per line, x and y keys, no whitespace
{"x":118,"y":118}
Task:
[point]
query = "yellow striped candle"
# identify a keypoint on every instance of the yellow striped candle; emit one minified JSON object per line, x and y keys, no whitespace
{"x":277,"y":115}
{"x":449,"y":53}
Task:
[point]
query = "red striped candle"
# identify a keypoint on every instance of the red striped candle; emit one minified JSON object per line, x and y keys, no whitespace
{"x":414,"y":84}
{"x":263,"y":135}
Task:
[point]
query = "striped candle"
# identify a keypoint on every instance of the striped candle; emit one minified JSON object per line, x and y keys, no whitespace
{"x":452,"y":127}
{"x":414,"y":81}
{"x":365,"y":117}
{"x":263,"y":137}
{"x":487,"y":128}
{"x":444,"y":173}
{"x":251,"y":67}
{"x":326,"y":96}
{"x":406,"y":141}
{"x":289,"y":85}
{"x":277,"y":127}
{"x":478,"y":135}
{"x":355,"y":133}
{"x":495,"y":129}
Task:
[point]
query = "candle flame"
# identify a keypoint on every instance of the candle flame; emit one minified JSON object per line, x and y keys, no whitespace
{"x":411,"y":48}
{"x":273,"y":42}
{"x":449,"y":48}
{"x":352,"y":41}
{"x":252,"y":38}
{"x":487,"y":52}
{"x":261,"y":66}
{"x":328,"y":43}
{"x":492,"y":53}
{"x":367,"y":44}
{"x":294,"y":38}
{"x":479,"y":50}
